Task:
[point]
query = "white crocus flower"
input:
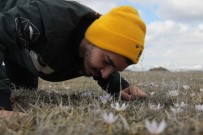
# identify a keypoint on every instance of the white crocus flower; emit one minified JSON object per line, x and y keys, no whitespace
{"x":154,"y":85}
{"x":155,"y":107}
{"x":176,"y":110}
{"x":109,"y":118}
{"x":105,"y":98}
{"x":154,"y":128}
{"x":186,"y":87}
{"x":86,"y":94}
{"x":181,"y":105}
{"x":65,"y":108}
{"x":66,"y":87}
{"x":199,"y":107}
{"x":201,"y":90}
{"x":173,"y":93}
{"x":192,"y":94}
{"x":151,"y":93}
{"x":117,"y":106}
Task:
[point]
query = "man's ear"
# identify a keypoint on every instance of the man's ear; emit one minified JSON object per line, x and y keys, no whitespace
{"x":84,"y":45}
{"x":84,"y":42}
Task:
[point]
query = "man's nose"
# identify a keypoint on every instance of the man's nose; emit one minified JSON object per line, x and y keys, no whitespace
{"x":105,"y":72}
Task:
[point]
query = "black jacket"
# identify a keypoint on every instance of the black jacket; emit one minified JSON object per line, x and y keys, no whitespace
{"x":50,"y":31}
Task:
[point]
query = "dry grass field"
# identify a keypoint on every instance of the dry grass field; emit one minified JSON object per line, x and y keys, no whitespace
{"x":75,"y":107}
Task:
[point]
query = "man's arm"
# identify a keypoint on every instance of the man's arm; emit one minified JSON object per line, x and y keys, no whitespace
{"x":5,"y":91}
{"x":7,"y":40}
{"x":113,"y":84}
{"x":11,"y":23}
{"x":116,"y":84}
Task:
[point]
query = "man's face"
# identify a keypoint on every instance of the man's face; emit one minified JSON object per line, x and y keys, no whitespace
{"x":99,"y":62}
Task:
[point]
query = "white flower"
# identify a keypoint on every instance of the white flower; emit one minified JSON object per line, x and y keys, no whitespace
{"x":176,"y":110}
{"x":201,"y":89}
{"x":154,"y":128}
{"x":117,"y":106}
{"x":155,"y":107}
{"x":66,"y":108}
{"x":53,"y":91}
{"x":199,"y":107}
{"x":154,"y":85}
{"x":151,"y":93}
{"x":50,"y":86}
{"x":173,"y":93}
{"x":105,"y":98}
{"x":192,"y":94}
{"x":66,"y":87}
{"x":181,"y":105}
{"x":86,"y":94}
{"x":109,"y":118}
{"x":186,"y":87}
{"x":140,"y":84}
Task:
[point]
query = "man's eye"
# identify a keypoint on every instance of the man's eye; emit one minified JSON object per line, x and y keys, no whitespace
{"x":107,"y":62}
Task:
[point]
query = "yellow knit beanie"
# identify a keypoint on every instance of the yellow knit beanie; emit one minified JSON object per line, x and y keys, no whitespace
{"x":120,"y":31}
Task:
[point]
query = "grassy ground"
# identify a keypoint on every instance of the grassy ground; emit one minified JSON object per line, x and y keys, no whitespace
{"x":74,"y":107}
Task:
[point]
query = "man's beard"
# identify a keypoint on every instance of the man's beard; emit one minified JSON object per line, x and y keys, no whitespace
{"x":87,"y":61}
{"x":88,"y":68}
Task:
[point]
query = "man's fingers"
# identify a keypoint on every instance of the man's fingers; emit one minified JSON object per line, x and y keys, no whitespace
{"x":132,"y":93}
{"x":125,"y":96}
{"x":138,"y":92}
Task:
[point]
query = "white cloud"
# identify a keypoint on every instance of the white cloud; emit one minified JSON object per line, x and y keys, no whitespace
{"x":174,"y":34}
{"x":200,"y":26}
{"x":145,"y":3}
{"x":102,"y":6}
{"x":184,"y":10}
{"x":171,"y":42}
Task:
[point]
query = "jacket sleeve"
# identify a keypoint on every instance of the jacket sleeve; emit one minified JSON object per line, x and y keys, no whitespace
{"x":8,"y":45}
{"x":113,"y":84}
{"x":5,"y":91}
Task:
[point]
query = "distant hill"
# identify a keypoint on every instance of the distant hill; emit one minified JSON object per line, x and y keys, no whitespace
{"x":158,"y":69}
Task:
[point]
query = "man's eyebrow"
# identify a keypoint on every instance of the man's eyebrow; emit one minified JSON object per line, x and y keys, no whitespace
{"x":110,"y":62}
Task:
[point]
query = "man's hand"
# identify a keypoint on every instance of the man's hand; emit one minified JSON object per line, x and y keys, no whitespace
{"x":9,"y":114}
{"x":132,"y":93}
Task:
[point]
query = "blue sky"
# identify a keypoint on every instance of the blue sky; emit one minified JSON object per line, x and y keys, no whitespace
{"x":174,"y":37}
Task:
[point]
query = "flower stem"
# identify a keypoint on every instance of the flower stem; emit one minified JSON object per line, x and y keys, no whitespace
{"x":110,"y":129}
